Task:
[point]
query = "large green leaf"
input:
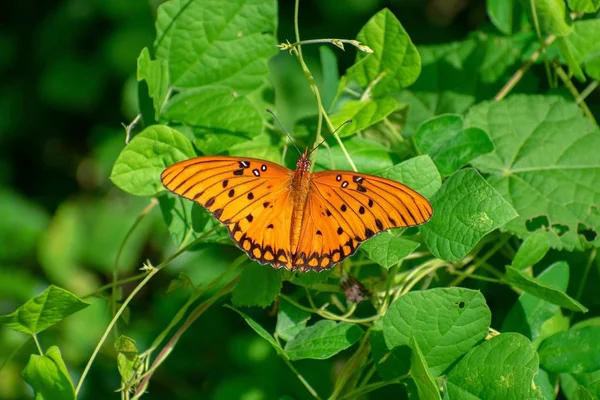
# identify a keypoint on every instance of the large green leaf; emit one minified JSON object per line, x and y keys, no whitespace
{"x":259,"y":285}
{"x":519,"y":279}
{"x":387,"y":249}
{"x":138,"y":167}
{"x":582,"y":47}
{"x":546,"y":164}
{"x":588,"y":6}
{"x":323,"y":340}
{"x":500,"y":368}
{"x":506,"y":15}
{"x":44,"y":310}
{"x":418,"y":173}
{"x":574,"y":351}
{"x":395,"y":60}
{"x":449,"y":144}
{"x":154,"y":72}
{"x":533,"y":249}
{"x":535,"y":317}
{"x":49,"y":377}
{"x":363,"y":114}
{"x":290,"y":320}
{"x":457,"y":75}
{"x":464,"y":210}
{"x":446,"y":323}
{"x":207,"y":42}
{"x":215,"y":109}
{"x":550,"y":16}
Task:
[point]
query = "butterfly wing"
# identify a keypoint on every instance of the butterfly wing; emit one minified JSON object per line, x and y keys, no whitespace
{"x":251,"y":197}
{"x":346,"y":208}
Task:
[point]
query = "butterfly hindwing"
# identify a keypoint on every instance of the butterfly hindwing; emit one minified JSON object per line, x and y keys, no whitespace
{"x":345,"y":208}
{"x":249,"y":196}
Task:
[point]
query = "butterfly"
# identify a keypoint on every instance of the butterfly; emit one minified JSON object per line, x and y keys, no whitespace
{"x":295,"y":219}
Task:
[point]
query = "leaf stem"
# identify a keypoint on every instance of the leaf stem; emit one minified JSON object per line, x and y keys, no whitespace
{"x":312,"y":391}
{"x":37,"y":343}
{"x":512,"y":82}
{"x":573,"y":90}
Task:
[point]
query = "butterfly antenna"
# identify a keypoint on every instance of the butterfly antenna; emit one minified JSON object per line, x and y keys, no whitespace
{"x":330,"y":134}
{"x":283,"y":129}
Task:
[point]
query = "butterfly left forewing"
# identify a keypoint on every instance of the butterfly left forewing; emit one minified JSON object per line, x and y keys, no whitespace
{"x":345,"y":208}
{"x":249,"y":196}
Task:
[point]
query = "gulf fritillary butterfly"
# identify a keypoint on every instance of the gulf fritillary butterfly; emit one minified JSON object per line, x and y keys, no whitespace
{"x":295,"y":219}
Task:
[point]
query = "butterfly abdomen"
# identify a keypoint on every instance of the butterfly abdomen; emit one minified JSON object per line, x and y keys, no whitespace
{"x":300,"y":187}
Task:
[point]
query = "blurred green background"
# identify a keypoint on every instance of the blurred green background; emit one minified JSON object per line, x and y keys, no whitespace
{"x":68,"y":85}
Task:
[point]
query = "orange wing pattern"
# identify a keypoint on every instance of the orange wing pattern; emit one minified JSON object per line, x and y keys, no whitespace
{"x":346,"y":208}
{"x":251,"y":197}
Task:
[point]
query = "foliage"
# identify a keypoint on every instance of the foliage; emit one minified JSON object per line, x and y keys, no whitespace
{"x":495,"y":129}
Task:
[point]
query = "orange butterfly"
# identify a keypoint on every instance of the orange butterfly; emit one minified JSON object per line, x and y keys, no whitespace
{"x":295,"y":219}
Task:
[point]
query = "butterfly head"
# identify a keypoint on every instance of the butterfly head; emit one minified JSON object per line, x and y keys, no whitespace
{"x":303,"y":163}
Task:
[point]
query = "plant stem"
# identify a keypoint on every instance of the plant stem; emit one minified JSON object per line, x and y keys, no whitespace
{"x":166,"y":350}
{"x":315,"y":90}
{"x":37,"y":343}
{"x":312,"y":391}
{"x":573,"y":90}
{"x":111,"y":324}
{"x":512,"y":82}
{"x":115,"y":271}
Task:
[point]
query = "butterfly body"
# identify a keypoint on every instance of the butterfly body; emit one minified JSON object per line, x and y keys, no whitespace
{"x":295,"y":219}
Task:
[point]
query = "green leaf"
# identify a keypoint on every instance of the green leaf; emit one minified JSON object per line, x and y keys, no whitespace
{"x":392,"y":363}
{"x":259,"y":285}
{"x":500,"y":368}
{"x":534,"y":317}
{"x":506,"y":15}
{"x":421,"y":374}
{"x":215,"y":109}
{"x":154,"y":72}
{"x":207,"y":42}
{"x":446,"y":323}
{"x":23,"y":222}
{"x":550,"y":15}
{"x":261,"y":331}
{"x":387,"y":249}
{"x":395,"y":60}
{"x":363,"y":114}
{"x":533,"y":249}
{"x":331,"y":76}
{"x":310,"y":278}
{"x":128,"y":361}
{"x":449,"y":144}
{"x":419,"y":173}
{"x":571,"y":383}
{"x":582,"y":48}
{"x":48,"y":376}
{"x":574,"y":351}
{"x":44,"y":310}
{"x":458,"y":74}
{"x":587,"y":6}
{"x":368,"y":155}
{"x":520,"y":280}
{"x":290,"y":320}
{"x":554,"y":181}
{"x":138,"y":167}
{"x":464,"y":210}
{"x":187,"y":220}
{"x":323,"y":340}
